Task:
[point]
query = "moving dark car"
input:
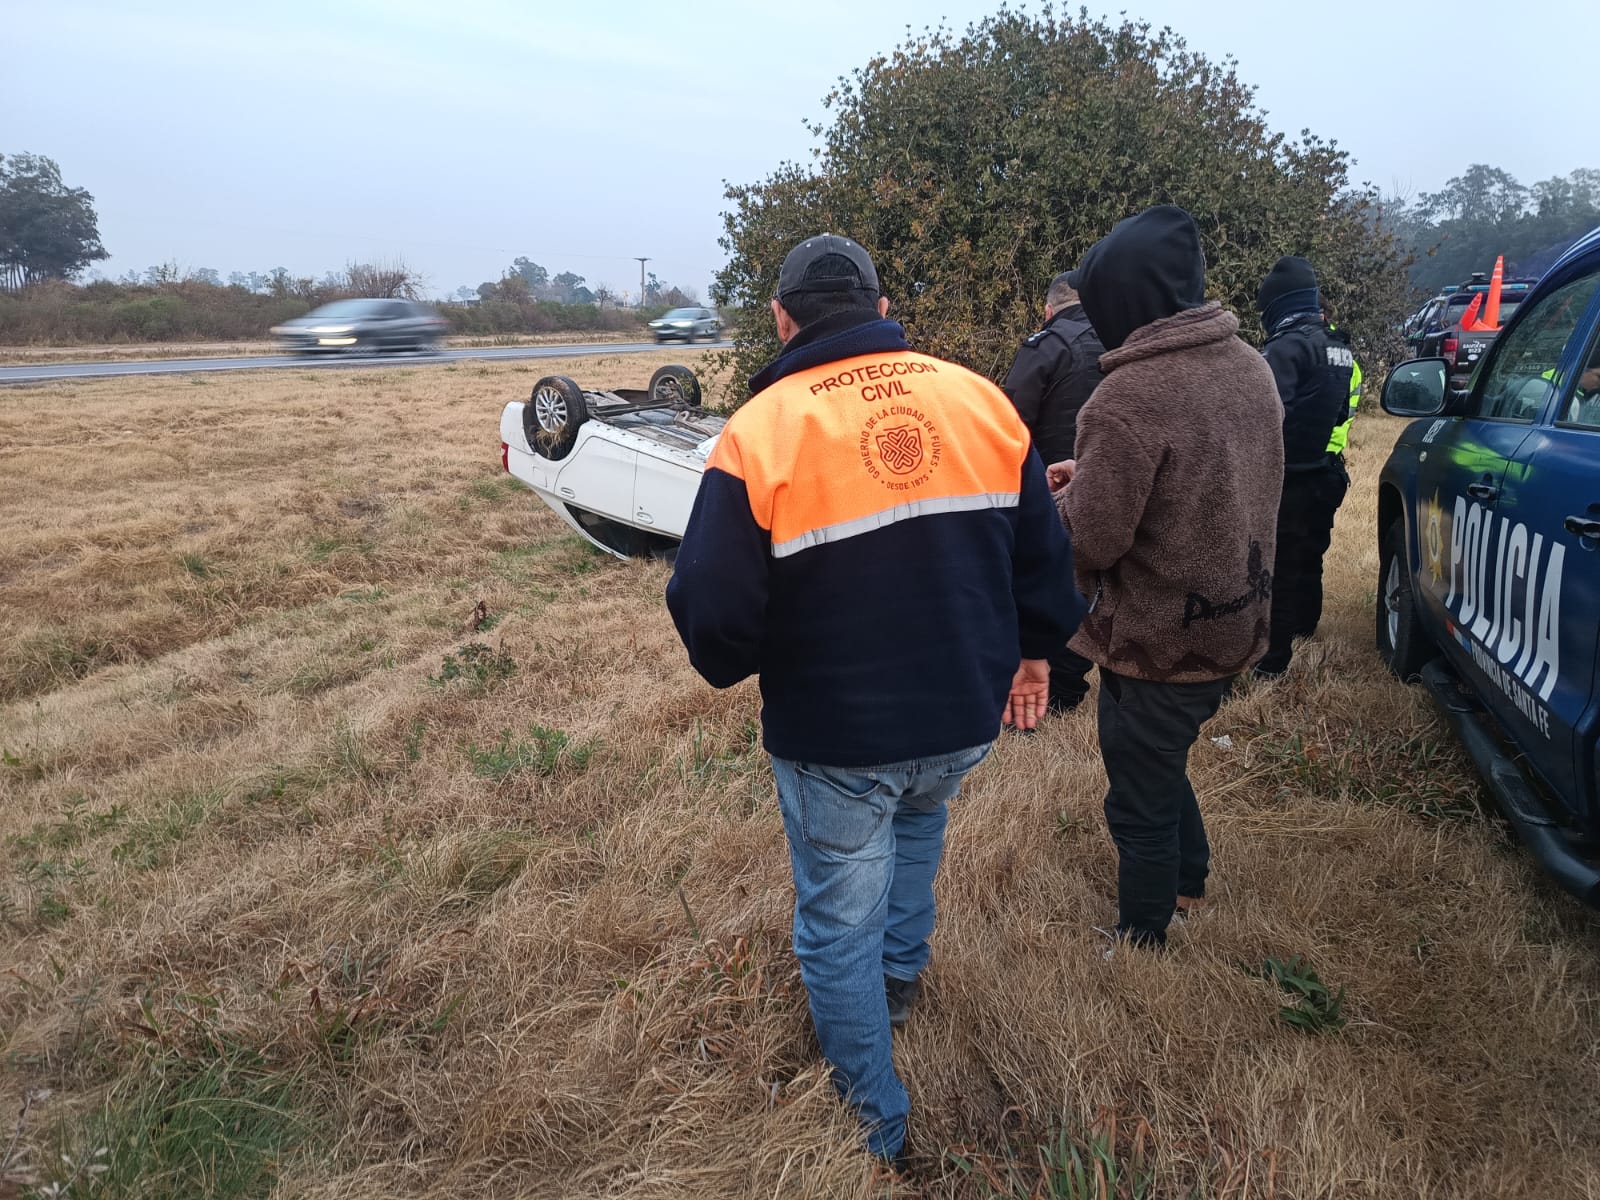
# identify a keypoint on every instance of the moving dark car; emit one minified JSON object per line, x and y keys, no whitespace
{"x":364,"y":327}
{"x":687,"y":324}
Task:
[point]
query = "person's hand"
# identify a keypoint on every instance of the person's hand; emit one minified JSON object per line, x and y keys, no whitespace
{"x":1589,"y":381}
{"x":1030,"y":694}
{"x":1058,"y":475}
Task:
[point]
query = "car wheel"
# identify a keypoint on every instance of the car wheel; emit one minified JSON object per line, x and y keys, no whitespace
{"x":1402,"y":643}
{"x":676,"y":386}
{"x":551,"y":418}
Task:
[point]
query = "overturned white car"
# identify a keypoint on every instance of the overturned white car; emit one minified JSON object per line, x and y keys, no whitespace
{"x":622,"y":466}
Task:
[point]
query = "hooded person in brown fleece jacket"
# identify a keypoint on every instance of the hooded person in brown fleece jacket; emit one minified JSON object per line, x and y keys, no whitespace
{"x":1172,"y":504}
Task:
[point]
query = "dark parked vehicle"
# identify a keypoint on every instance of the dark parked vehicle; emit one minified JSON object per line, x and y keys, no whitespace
{"x":364,"y":327}
{"x":686,"y":324}
{"x":1436,"y":330}
{"x":1489,"y":560}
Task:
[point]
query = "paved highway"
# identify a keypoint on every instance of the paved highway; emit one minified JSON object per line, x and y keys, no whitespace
{"x":40,"y":372}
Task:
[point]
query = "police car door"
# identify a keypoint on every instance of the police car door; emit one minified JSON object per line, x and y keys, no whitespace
{"x":1561,"y":503}
{"x":1497,"y":564}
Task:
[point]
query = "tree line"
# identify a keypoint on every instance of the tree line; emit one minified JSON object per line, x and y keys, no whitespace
{"x":1485,"y":212}
{"x":525,"y":280}
{"x":974,"y":165}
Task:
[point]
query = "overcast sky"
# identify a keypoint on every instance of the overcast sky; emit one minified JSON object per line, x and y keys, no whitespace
{"x":459,"y":135}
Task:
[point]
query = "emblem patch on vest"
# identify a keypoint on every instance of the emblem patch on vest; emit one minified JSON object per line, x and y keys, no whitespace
{"x":900,"y":449}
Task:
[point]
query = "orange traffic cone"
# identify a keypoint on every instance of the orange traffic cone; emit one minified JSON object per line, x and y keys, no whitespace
{"x":1491,"y":305}
{"x":1491,"y":308}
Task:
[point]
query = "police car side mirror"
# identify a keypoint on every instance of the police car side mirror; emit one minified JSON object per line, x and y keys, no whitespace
{"x":1416,"y":388}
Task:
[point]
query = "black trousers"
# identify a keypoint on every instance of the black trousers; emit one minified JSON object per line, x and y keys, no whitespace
{"x":1069,"y":679}
{"x":1146,"y":732}
{"x":1305,"y":526}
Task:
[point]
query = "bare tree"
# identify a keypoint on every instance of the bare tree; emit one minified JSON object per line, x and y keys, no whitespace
{"x":383,"y":280}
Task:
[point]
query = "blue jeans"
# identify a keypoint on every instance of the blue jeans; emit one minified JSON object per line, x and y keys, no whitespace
{"x":865,"y":844}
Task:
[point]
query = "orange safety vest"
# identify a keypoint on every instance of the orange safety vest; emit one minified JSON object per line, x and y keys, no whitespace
{"x":863,"y":443}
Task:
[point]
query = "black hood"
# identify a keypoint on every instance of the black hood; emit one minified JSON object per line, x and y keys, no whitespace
{"x":1148,"y":267}
{"x":1289,"y":289}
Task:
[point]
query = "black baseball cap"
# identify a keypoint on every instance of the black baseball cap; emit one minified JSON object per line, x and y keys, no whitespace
{"x":808,"y":267}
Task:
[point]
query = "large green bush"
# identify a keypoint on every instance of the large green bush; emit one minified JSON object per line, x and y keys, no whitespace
{"x":976,"y":166}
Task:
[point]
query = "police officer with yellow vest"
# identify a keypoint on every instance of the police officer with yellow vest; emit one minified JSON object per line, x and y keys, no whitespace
{"x":1314,"y":372}
{"x":1341,"y":432}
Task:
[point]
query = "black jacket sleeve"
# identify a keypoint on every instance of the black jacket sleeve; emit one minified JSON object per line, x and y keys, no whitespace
{"x":1026,"y":383}
{"x":718,"y":591}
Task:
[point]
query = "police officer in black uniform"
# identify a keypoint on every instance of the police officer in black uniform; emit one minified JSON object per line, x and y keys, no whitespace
{"x":1050,"y":378}
{"x":1313,"y":371}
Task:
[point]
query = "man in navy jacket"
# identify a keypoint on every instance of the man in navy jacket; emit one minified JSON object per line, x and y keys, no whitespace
{"x":874,"y":538}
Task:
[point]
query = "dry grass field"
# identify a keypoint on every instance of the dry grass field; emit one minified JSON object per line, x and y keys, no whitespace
{"x":309,"y":890}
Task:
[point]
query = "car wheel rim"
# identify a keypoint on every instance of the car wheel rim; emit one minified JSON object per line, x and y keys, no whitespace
{"x":669,"y":390}
{"x":1391,"y":600}
{"x":550,"y":410}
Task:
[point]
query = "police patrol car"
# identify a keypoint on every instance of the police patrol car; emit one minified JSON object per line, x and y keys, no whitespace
{"x":1489,"y":583}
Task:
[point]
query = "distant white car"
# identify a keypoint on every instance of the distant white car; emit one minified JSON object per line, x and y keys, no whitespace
{"x":621,"y":467}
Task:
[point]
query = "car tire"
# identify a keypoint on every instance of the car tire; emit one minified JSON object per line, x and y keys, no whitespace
{"x":1402,"y":642}
{"x":552,"y":416}
{"x":675,"y":385}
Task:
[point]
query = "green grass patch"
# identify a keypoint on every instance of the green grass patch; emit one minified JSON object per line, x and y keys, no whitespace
{"x":152,"y":837}
{"x":543,"y":752}
{"x":474,"y":668}
{"x":1099,"y":1166}
{"x":221,"y":1126}
{"x":493,"y":489}
{"x":1423,"y":773}
{"x":1314,"y":1008}
{"x":196,"y":566}
{"x":321,"y":549}
{"x":76,"y":824}
{"x":566,"y":555}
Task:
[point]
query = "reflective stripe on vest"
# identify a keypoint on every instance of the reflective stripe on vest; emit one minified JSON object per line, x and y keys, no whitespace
{"x":1341,"y":432}
{"x":857,"y":445}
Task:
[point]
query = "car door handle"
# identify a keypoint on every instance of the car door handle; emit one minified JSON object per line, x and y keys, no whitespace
{"x":1585,"y":527}
{"x":1482,"y":491}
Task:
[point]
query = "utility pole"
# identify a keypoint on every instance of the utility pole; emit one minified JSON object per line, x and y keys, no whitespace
{"x":642,"y":261}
